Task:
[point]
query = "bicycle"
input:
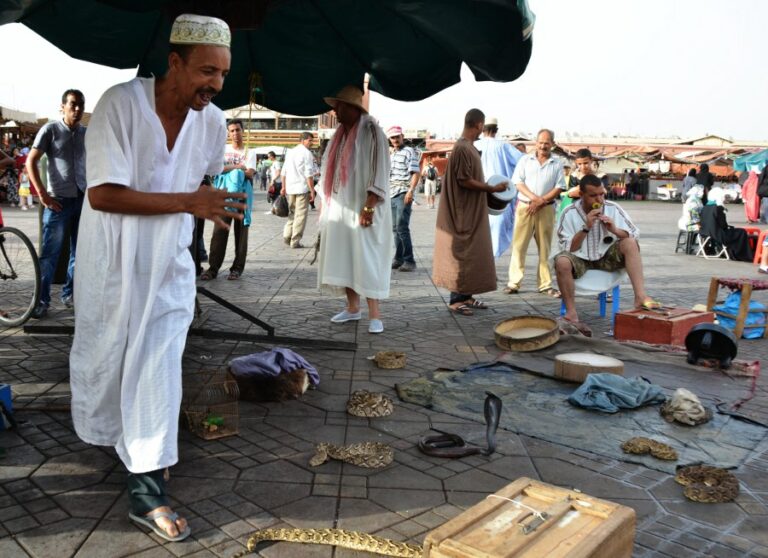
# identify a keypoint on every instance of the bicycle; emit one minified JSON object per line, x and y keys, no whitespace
{"x":19,"y":276}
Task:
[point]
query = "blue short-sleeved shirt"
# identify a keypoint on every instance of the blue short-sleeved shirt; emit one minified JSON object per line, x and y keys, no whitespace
{"x":65,"y":148}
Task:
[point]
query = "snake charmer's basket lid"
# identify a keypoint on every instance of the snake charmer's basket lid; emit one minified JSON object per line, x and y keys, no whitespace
{"x":526,"y":333}
{"x":498,"y":201}
{"x":712,"y":341}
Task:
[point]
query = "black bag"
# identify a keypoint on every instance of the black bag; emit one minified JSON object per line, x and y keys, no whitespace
{"x":431,"y":173}
{"x":280,"y":207}
{"x":762,"y":184}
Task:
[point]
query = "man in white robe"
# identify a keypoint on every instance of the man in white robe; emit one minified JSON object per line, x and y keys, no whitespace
{"x":356,"y":245}
{"x":147,"y":156}
{"x":499,"y":158}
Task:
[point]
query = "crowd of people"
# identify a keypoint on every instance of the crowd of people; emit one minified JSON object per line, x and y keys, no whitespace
{"x":162,"y":159}
{"x":704,"y":213}
{"x":14,"y":181}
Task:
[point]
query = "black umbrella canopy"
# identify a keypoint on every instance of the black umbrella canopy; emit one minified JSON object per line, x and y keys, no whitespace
{"x":288,"y":54}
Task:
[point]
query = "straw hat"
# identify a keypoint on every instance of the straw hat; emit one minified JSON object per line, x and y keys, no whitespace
{"x":492,"y":122}
{"x":351,"y":95}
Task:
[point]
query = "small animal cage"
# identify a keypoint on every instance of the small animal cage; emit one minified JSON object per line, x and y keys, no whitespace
{"x":209,"y":403}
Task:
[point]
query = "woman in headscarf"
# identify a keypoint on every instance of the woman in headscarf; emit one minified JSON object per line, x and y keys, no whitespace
{"x":691,"y":218}
{"x":688,"y":182}
{"x":705,"y":178}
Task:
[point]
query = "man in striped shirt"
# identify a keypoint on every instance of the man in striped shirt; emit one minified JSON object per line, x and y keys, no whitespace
{"x":403,"y":178}
{"x":593,"y":233}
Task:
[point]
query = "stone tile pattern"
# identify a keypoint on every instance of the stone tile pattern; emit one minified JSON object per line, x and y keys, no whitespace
{"x":61,"y":497}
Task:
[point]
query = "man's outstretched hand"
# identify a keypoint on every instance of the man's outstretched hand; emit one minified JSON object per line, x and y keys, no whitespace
{"x":209,"y":203}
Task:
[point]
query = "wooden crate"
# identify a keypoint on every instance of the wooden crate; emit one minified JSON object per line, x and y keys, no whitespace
{"x":575,"y":526}
{"x":665,"y":327}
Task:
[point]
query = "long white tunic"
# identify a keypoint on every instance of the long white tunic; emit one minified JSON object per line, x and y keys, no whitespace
{"x":350,"y":255}
{"x":499,"y":157}
{"x":135,"y":285}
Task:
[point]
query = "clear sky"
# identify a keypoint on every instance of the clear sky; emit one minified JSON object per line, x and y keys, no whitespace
{"x":629,"y":67}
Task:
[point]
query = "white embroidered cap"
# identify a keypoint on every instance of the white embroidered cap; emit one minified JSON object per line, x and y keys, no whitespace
{"x":190,"y":29}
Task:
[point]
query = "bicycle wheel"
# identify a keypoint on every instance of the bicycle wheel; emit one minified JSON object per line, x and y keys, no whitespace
{"x":19,"y":277}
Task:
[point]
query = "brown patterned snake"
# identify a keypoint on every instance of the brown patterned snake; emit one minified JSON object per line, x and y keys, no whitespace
{"x":363,"y":403}
{"x":708,"y":484}
{"x":370,"y":455}
{"x":334,"y":537}
{"x":658,"y":450}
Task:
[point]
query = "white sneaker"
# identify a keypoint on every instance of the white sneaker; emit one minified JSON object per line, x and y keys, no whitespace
{"x":375,"y":326}
{"x":345,"y":316}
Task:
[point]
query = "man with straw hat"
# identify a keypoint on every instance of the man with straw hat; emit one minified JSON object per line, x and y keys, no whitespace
{"x":356,"y":244}
{"x":148,"y":155}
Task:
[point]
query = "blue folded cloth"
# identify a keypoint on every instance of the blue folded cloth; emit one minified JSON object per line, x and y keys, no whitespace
{"x":235,"y":182}
{"x":609,"y":393}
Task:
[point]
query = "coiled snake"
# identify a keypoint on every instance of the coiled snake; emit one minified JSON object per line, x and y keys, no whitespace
{"x":657,"y":449}
{"x":453,"y":446}
{"x":707,"y":484}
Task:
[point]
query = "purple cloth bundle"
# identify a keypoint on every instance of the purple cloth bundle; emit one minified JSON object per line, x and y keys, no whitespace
{"x":271,"y":364}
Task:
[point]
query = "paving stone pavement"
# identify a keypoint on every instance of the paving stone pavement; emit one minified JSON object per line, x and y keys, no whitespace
{"x":61,"y":497}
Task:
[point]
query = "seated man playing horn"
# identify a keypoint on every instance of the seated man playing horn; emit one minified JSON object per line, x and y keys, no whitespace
{"x":597,"y":234}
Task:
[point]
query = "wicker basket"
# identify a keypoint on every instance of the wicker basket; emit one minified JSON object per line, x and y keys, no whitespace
{"x":390,"y":359}
{"x":209,"y":404}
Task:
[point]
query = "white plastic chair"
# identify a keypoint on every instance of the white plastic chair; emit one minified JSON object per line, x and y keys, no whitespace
{"x":596,"y":282}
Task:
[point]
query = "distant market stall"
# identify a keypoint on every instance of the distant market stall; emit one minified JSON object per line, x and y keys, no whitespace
{"x":752,"y":162}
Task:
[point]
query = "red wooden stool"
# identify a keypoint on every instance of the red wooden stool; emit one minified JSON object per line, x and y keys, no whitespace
{"x":746,"y":286}
{"x":753,"y":234}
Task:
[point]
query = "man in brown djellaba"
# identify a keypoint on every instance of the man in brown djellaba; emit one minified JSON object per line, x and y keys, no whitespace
{"x":463,"y":260}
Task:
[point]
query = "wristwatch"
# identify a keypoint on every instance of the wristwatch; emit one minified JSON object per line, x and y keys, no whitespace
{"x":585,"y":230}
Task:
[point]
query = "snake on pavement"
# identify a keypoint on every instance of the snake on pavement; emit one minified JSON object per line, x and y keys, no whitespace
{"x":704,"y":483}
{"x":657,"y":449}
{"x":370,"y":455}
{"x":335,"y":537}
{"x":363,"y":403}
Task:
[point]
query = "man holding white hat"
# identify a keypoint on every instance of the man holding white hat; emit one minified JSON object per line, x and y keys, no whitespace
{"x":148,"y":156}
{"x":403,"y":177}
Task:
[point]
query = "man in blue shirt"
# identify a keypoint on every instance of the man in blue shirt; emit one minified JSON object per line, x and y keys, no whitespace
{"x":64,"y":143}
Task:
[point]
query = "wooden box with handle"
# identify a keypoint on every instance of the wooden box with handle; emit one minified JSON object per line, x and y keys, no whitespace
{"x":532,"y":519}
